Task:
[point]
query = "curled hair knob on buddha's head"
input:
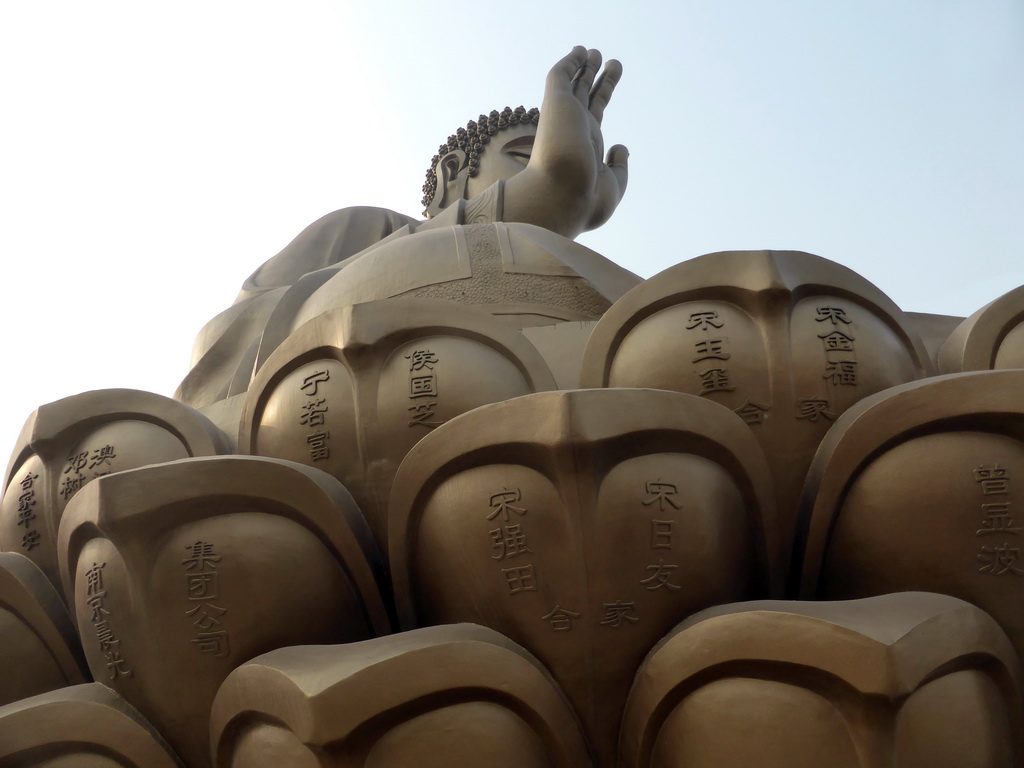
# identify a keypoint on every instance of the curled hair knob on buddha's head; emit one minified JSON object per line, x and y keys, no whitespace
{"x":463,"y":149}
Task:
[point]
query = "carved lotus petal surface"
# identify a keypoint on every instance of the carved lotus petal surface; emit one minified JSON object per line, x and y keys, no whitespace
{"x":67,"y":444}
{"x":991,"y":338}
{"x":914,"y":679}
{"x":353,"y":390}
{"x":180,"y":572}
{"x":583,"y":525}
{"x":922,"y":487}
{"x":81,"y":726}
{"x":379,"y":704}
{"x":41,"y":650}
{"x":785,"y":339}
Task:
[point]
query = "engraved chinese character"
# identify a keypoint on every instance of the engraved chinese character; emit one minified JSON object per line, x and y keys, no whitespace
{"x":561,"y":618}
{"x":318,"y":446}
{"x":835,"y":315}
{"x":27,"y":500}
{"x":420,"y":413}
{"x":841,"y":372}
{"x":201,"y":586}
{"x":201,"y":555}
{"x":710,"y":349}
{"x":997,"y":519}
{"x":837,"y":341}
{"x":660,"y":577}
{"x":810,"y":409}
{"x":30,"y":541}
{"x":993,"y":480}
{"x":213,"y":642}
{"x":751,"y":412}
{"x":25,"y":513}
{"x":618,"y":612}
{"x":116,"y":665}
{"x":1000,"y":560}
{"x":312,"y":383}
{"x":77,"y":462}
{"x":25,"y":517}
{"x":715,"y":380}
{"x":105,"y":636}
{"x":703,"y":321}
{"x":96,"y":604}
{"x":423,"y":386}
{"x":501,"y":504}
{"x":661,"y":534}
{"x":205,"y":620}
{"x":102,"y":456}
{"x":313,"y":413}
{"x":71,"y":485}
{"x":661,"y":493}
{"x":420,"y":359}
{"x":520,"y":579}
{"x":94,"y":580}
{"x":509,"y":541}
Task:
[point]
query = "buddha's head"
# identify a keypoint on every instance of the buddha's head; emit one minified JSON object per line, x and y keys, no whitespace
{"x":491,"y":148}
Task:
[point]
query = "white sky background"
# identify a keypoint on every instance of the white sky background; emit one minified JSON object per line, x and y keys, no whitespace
{"x":154,"y":154}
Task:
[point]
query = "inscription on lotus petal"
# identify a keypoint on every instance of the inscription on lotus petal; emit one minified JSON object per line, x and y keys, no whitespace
{"x":993,"y":480}
{"x":202,"y":587}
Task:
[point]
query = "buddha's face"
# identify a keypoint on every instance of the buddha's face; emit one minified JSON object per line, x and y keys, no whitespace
{"x":505,"y":155}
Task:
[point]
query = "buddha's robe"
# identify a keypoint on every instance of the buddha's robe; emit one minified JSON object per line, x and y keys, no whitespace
{"x":530,"y":275}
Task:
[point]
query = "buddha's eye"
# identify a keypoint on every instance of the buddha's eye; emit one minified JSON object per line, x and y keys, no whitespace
{"x":520,"y":148}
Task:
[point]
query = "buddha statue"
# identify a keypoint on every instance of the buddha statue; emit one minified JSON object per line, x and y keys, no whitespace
{"x":549,"y":179}
{"x":459,"y":491}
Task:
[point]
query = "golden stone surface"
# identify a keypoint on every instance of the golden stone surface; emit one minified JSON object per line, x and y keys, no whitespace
{"x":436,"y":549}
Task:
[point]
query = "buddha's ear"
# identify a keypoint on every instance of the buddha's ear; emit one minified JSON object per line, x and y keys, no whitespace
{"x":452,"y":173}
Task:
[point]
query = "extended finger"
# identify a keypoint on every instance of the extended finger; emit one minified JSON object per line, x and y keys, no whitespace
{"x":583,"y":80}
{"x":603,"y":89}
{"x":563,"y":73}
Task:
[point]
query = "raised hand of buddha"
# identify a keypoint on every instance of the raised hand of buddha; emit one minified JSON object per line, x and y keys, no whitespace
{"x":569,"y":186}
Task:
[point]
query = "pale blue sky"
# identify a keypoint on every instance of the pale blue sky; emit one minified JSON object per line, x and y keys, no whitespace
{"x":155,"y":154}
